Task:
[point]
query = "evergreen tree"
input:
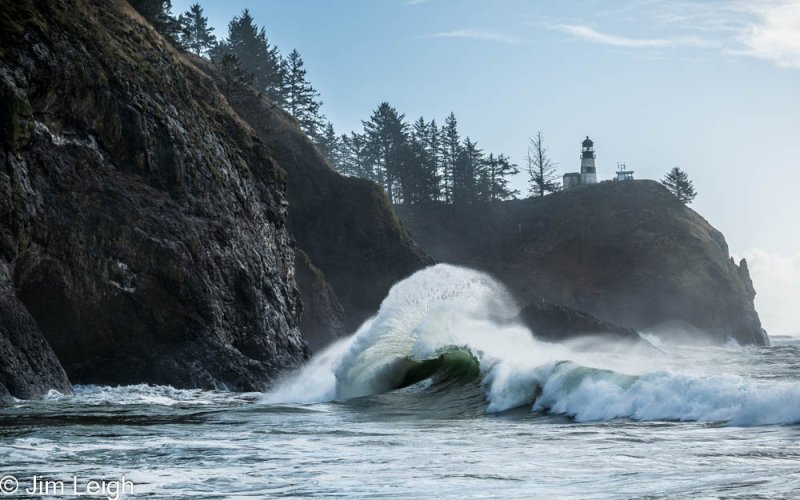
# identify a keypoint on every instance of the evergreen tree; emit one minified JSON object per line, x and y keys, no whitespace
{"x":424,"y":163}
{"x":434,"y":146}
{"x":329,"y":144}
{"x":159,"y":14}
{"x":388,"y":149}
{"x":426,"y":155}
{"x":256,"y":56}
{"x":542,"y":170}
{"x":498,"y":169}
{"x":451,"y":149}
{"x":355,"y":156}
{"x":409,"y":172}
{"x":232,"y":73}
{"x":678,"y":183}
{"x":197,"y":35}
{"x":302,"y":101}
{"x":467,"y":172}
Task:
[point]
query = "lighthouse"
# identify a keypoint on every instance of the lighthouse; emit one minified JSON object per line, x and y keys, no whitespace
{"x":588,"y":173}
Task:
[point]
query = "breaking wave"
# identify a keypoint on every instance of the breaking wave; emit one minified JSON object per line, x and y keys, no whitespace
{"x":449,"y":331}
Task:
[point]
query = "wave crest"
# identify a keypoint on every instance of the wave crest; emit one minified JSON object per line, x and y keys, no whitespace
{"x":450,"y":326}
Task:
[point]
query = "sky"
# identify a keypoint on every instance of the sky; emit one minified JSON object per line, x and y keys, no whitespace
{"x":712,"y":87}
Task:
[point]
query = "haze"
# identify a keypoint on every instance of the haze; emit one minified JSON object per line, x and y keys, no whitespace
{"x":711,"y":87}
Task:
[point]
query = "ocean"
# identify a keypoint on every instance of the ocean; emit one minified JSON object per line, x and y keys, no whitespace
{"x":440,"y":395}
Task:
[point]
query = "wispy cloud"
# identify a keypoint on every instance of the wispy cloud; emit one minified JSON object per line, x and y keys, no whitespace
{"x":590,"y":34}
{"x":767,"y":29}
{"x":415,"y":2}
{"x":476,"y":34}
{"x":775,"y":34}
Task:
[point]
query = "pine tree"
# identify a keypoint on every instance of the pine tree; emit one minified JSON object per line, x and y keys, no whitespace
{"x":678,"y":183}
{"x":159,"y":14}
{"x":197,"y":35}
{"x":250,"y":45}
{"x":451,"y":149}
{"x":541,"y":169}
{"x":387,"y":139}
{"x":425,"y":150}
{"x":498,"y":169}
{"x":424,"y":163}
{"x":467,"y":173}
{"x":232,"y":73}
{"x":302,"y":101}
{"x":355,"y":157}
{"x":434,"y":146}
{"x":329,"y":144}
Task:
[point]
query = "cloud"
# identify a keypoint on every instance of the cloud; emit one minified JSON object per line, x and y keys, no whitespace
{"x":476,"y":34}
{"x":415,"y":2}
{"x":766,"y":29}
{"x":590,"y":34}
{"x":776,"y":279}
{"x":775,"y":34}
{"x":712,"y":17}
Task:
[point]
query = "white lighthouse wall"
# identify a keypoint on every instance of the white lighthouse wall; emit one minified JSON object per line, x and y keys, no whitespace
{"x":588,"y":178}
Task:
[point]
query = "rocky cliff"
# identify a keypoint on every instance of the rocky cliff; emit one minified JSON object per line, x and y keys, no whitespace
{"x":558,"y":323}
{"x":345,"y":225}
{"x":157,"y":229}
{"x":323,"y":316}
{"x":144,"y":224}
{"x":627,"y":252}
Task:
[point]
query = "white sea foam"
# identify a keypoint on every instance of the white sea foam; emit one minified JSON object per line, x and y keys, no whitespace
{"x":143,"y":394}
{"x":445,"y":307}
{"x":601,"y":395}
{"x":436,"y":308}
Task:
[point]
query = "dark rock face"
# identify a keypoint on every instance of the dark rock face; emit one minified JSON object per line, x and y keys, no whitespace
{"x":144,"y":225}
{"x":323,"y":315}
{"x":557,"y":323}
{"x":345,"y":225}
{"x":28,"y":366}
{"x":627,"y":252}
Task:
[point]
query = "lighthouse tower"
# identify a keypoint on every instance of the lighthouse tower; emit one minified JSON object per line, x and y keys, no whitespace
{"x":588,"y":171}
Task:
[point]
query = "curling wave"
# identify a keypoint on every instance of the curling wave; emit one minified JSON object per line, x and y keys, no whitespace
{"x":449,"y":330}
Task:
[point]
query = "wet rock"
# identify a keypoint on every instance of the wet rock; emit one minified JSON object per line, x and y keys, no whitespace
{"x":323,"y":315}
{"x":144,"y":224}
{"x":345,"y":225}
{"x":627,"y":252}
{"x":555,"y":323}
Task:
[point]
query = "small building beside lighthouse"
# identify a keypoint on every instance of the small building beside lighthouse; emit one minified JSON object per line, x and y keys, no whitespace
{"x":588,"y":173}
{"x":623,"y":174}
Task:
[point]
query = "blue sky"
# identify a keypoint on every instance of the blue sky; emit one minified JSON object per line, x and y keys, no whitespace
{"x":710,"y":86}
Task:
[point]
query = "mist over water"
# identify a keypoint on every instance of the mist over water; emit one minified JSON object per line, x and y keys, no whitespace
{"x":441,"y":391}
{"x":446,"y":309}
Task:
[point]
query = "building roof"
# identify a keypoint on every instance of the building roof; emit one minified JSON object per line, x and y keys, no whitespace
{"x":587,"y":143}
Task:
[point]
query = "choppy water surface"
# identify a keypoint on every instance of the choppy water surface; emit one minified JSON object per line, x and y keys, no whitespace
{"x":439,"y":395}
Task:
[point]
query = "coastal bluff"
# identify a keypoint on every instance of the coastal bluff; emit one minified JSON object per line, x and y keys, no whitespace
{"x":626,"y":252}
{"x":152,"y":224}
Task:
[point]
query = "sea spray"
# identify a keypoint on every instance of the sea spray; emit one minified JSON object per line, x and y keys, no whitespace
{"x":590,"y":395}
{"x":440,"y":309}
{"x":446,"y":314}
